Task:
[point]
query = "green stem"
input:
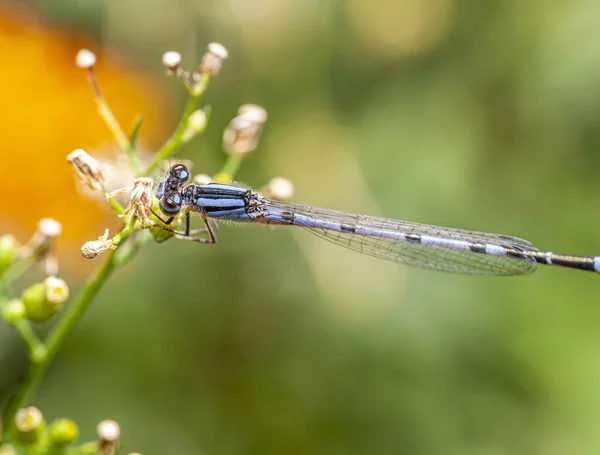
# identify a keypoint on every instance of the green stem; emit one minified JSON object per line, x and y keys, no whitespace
{"x":86,"y":448}
{"x":16,"y":270}
{"x":117,"y":132}
{"x":112,"y":123}
{"x":116,"y":206}
{"x":54,"y":342}
{"x":37,"y":350}
{"x":177,"y":138}
{"x":230,"y":168}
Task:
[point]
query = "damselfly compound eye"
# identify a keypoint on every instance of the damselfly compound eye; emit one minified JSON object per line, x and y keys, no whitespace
{"x":180,"y":172}
{"x":170,"y":206}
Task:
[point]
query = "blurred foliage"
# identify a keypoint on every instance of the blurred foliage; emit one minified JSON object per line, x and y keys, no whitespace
{"x":481,"y":115}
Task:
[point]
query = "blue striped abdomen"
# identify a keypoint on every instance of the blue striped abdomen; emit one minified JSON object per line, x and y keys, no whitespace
{"x":220,"y":201}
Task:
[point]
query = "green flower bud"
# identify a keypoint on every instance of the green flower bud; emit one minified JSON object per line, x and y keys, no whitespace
{"x":29,"y":426}
{"x":13,"y":311}
{"x":61,"y":433}
{"x":42,"y":300}
{"x":8,"y":251}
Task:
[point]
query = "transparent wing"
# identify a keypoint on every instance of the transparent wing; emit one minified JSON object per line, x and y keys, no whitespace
{"x":378,"y":237}
{"x":446,"y":259}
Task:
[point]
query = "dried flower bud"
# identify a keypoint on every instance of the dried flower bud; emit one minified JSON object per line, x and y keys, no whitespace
{"x":87,"y":169}
{"x":61,"y":433}
{"x":95,"y":248}
{"x":13,"y":311}
{"x":242,"y":134}
{"x":85,"y":59}
{"x":280,"y":188}
{"x":171,"y":60}
{"x":140,"y":204}
{"x":43,"y":243}
{"x":29,"y":426}
{"x":108,"y":433}
{"x":43,"y":300}
{"x":202,"y":179}
{"x":213,"y":59}
{"x":8,"y":251}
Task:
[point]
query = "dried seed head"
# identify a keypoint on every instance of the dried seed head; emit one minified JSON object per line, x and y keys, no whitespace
{"x":94,"y":248}
{"x":140,"y":204}
{"x":85,"y":59}
{"x":87,"y":169}
{"x":242,"y":134}
{"x":213,"y":59}
{"x":57,"y":290}
{"x":280,"y":188}
{"x":171,"y":60}
{"x":202,"y":179}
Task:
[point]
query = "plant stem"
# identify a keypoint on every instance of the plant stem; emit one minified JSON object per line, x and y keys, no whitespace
{"x":112,"y":123}
{"x":16,"y":270}
{"x":36,"y":348}
{"x":230,"y":168}
{"x":55,"y":340}
{"x":177,"y":138}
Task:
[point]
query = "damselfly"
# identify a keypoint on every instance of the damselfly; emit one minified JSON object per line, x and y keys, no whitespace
{"x":420,"y":245}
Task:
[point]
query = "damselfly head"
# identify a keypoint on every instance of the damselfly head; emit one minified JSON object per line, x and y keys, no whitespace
{"x":178,"y":172}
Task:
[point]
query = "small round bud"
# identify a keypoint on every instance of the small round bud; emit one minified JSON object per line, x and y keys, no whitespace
{"x":13,"y":311}
{"x":8,"y":251}
{"x":213,"y":59}
{"x":253,"y":112}
{"x":202,"y":179}
{"x":85,"y":59}
{"x":171,"y":60}
{"x":29,"y":426}
{"x":280,"y":188}
{"x":61,"y":433}
{"x":242,"y":134}
{"x":108,"y":430}
{"x":49,"y":227}
{"x":94,"y":248}
{"x":42,"y":300}
{"x":197,"y":120}
{"x":57,"y":291}
{"x":219,"y":50}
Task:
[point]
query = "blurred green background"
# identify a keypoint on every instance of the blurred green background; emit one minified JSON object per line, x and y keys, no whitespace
{"x":476,"y":114}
